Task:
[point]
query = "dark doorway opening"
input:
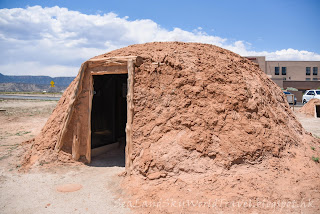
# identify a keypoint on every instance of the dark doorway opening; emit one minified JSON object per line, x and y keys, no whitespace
{"x":317,"y":110}
{"x":109,"y":116}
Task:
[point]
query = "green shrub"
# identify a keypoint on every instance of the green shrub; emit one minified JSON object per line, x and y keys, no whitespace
{"x":315,"y":159}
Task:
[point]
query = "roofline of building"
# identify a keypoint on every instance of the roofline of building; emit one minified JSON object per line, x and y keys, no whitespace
{"x":282,"y":60}
{"x":290,"y":61}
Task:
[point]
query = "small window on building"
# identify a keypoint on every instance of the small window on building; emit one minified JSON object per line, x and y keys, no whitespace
{"x":308,"y":70}
{"x":315,"y":70}
{"x":315,"y":79}
{"x":276,"y":70}
{"x":284,"y":70}
{"x":308,"y":79}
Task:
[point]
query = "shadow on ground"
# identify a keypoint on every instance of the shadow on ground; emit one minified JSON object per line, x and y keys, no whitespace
{"x":114,"y":157}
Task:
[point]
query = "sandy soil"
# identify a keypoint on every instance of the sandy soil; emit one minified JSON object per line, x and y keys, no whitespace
{"x":36,"y":191}
{"x":20,"y":121}
{"x":309,"y":123}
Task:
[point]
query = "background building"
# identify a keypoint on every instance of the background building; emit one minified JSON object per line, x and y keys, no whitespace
{"x":302,"y":75}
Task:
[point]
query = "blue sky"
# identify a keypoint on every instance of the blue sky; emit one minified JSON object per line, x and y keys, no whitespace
{"x":280,"y":30}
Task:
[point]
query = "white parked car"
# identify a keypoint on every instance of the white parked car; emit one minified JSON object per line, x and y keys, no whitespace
{"x":310,"y":94}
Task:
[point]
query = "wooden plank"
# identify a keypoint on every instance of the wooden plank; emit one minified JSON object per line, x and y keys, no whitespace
{"x":105,"y":64}
{"x":120,"y":60}
{"x":88,"y":153}
{"x":108,"y":72}
{"x":66,"y":121}
{"x":130,"y":109}
{"x":115,"y":68}
{"x":76,"y":143}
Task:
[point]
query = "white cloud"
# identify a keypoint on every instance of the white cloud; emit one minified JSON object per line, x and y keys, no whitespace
{"x":55,"y":41}
{"x":285,"y":54}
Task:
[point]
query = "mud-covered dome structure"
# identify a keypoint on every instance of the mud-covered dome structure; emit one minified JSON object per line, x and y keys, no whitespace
{"x":311,"y":108}
{"x":179,"y":107}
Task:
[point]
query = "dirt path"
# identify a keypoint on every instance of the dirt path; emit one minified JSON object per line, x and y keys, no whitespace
{"x":36,"y":191}
{"x":311,"y":124}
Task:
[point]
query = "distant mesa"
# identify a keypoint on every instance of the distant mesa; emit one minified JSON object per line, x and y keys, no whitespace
{"x":33,"y":83}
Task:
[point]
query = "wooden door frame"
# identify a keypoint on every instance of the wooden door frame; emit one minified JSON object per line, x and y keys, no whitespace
{"x":117,"y":65}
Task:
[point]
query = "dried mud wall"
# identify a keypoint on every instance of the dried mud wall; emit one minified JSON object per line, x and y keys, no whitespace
{"x":197,"y":106}
{"x":46,"y":142}
{"x":309,"y":107}
{"x":77,"y":136}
